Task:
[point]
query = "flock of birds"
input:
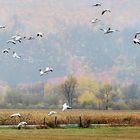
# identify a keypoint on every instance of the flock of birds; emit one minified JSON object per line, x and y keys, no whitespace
{"x":24,"y":123}
{"x":18,"y":39}
{"x":136,"y":40}
{"x":108,"y":30}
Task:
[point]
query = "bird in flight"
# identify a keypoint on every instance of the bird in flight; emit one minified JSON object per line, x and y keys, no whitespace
{"x":48,"y":69}
{"x":51,"y":113}
{"x":97,"y":4}
{"x":2,"y":26}
{"x":65,"y":106}
{"x":106,"y":10}
{"x":15,"y":115}
{"x":39,"y":34}
{"x":11,"y":41}
{"x":109,"y":30}
{"x":6,"y":50}
{"x":41,"y":72}
{"x":31,"y":38}
{"x":21,"y":124}
{"x":15,"y":55}
{"x":18,"y":38}
{"x":94,"y":20}
{"x":136,"y":40}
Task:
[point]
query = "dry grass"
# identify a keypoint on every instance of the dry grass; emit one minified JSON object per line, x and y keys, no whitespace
{"x":36,"y":116}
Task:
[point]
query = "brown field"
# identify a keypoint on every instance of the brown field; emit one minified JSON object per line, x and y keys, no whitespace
{"x":36,"y":117}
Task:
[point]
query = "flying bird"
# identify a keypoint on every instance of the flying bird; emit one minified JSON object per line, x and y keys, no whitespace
{"x":41,"y":72}
{"x":1,"y":26}
{"x":39,"y":34}
{"x":106,"y":10}
{"x":109,"y":30}
{"x":21,"y":124}
{"x":97,"y":4}
{"x":18,"y":38}
{"x":31,"y":38}
{"x":136,"y":34}
{"x":6,"y":50}
{"x":15,"y":115}
{"x":15,"y":55}
{"x":11,"y":41}
{"x":65,"y":106}
{"x":136,"y":40}
{"x":48,"y":69}
{"x":51,"y":113}
{"x":94,"y":20}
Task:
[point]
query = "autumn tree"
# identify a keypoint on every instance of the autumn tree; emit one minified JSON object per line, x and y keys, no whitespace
{"x":87,"y":99}
{"x":87,"y":89}
{"x":105,"y":94}
{"x":68,"y":89}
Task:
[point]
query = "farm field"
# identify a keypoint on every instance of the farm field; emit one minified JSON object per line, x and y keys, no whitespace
{"x":118,"y":133}
{"x":36,"y":116}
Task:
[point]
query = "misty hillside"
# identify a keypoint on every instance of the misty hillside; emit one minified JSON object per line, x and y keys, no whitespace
{"x":71,"y":44}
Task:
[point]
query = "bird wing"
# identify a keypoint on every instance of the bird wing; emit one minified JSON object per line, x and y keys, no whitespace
{"x":5,"y":51}
{"x":108,"y":29}
{"x":103,"y":12}
{"x":47,"y":69}
{"x":103,"y":30}
{"x":11,"y":41}
{"x":136,"y":34}
{"x":97,"y":4}
{"x":64,"y":107}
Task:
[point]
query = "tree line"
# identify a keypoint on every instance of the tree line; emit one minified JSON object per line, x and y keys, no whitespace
{"x":79,"y":92}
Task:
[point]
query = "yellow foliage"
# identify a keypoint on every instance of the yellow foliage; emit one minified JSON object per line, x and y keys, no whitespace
{"x":86,"y":83}
{"x":86,"y":97}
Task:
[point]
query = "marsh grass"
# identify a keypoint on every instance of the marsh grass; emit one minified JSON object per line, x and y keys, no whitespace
{"x":36,"y":117}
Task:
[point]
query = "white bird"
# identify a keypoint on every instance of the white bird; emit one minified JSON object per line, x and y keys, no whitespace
{"x":136,"y":40}
{"x":18,"y":38}
{"x":6,"y":50}
{"x":65,"y":106}
{"x":48,"y":69}
{"x":39,"y":34}
{"x":97,"y":4}
{"x":41,"y":72}
{"x":51,"y":113}
{"x":15,"y":115}
{"x":15,"y":55}
{"x":21,"y":124}
{"x":2,"y":26}
{"x":109,"y":30}
{"x":11,"y":41}
{"x":106,"y":10}
{"x":94,"y":20}
{"x":136,"y":34}
{"x":31,"y":38}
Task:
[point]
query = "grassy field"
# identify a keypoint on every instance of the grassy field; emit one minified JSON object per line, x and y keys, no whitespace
{"x":123,"y":133}
{"x":36,"y":116}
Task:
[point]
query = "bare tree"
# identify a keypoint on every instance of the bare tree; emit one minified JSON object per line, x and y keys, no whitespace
{"x":106,"y":95}
{"x":68,"y":89}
